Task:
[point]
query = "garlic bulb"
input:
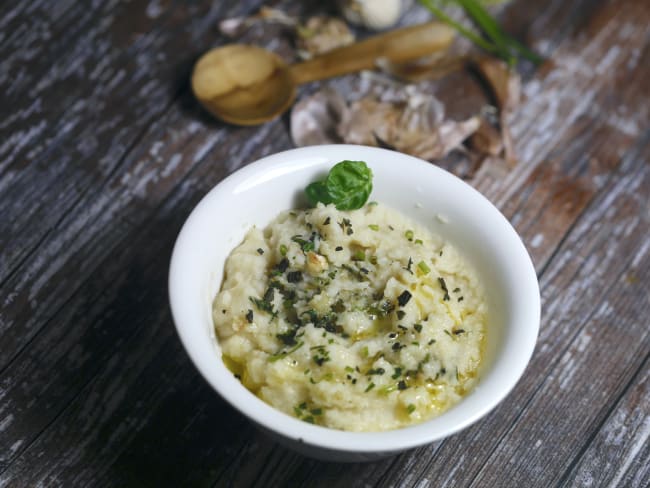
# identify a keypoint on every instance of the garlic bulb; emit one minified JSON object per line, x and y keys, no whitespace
{"x":372,"y":14}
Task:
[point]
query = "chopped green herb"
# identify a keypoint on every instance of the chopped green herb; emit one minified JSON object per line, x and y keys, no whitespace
{"x":316,"y":411}
{"x":409,"y":235}
{"x":283,"y":265}
{"x":249,"y":316}
{"x":262,"y":305}
{"x":460,"y":299}
{"x":422,"y":266}
{"x":284,"y":354}
{"x":432,"y":341}
{"x":373,"y":259}
{"x":305,"y":245}
{"x":456,"y":290}
{"x":374,"y":227}
{"x":419,"y":241}
{"x":260,"y":251}
{"x":397,"y":373}
{"x":408,"y":266}
{"x":283,"y":250}
{"x":410,"y":408}
{"x":364,"y":352}
{"x":401,"y":385}
{"x":443,"y":285}
{"x":418,"y":327}
{"x":338,"y":248}
{"x":370,"y":387}
{"x":349,"y":369}
{"x":372,"y":204}
{"x":401,"y":314}
{"x":294,"y":276}
{"x":359,"y":256}
{"x":378,"y":371}
{"x":459,"y":331}
{"x":404,"y":298}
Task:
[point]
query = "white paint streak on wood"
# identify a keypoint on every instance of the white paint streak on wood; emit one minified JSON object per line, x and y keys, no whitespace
{"x":640,"y":441}
{"x":537,"y":240}
{"x":6,"y":422}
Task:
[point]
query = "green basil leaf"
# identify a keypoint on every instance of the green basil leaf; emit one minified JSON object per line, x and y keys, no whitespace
{"x":317,"y":192}
{"x":349,"y":183}
{"x":348,"y":186}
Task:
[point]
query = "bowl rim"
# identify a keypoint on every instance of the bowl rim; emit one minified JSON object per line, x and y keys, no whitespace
{"x":326,"y":438}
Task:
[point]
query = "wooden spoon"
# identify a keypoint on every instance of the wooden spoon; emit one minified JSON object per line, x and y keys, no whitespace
{"x":248,"y":85}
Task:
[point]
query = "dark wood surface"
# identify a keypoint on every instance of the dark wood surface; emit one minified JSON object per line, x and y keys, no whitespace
{"x":104,"y":152}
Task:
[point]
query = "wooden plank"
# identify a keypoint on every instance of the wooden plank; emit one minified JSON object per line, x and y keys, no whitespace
{"x":619,"y":455}
{"x":68,"y":175}
{"x":69,"y":123}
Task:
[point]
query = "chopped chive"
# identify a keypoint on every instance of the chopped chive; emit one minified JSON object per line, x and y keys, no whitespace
{"x":284,"y":354}
{"x":418,"y":327}
{"x":419,"y":241}
{"x":338,"y":248}
{"x":370,"y":387}
{"x":283,"y":250}
{"x":374,"y":227}
{"x":400,"y":314}
{"x":359,"y":256}
{"x":410,"y":408}
{"x":397,"y":373}
{"x":409,"y":235}
{"x":401,"y":385}
{"x":422,"y":266}
{"x":249,"y":316}
{"x":316,"y":411}
{"x":349,"y":369}
{"x":260,"y":251}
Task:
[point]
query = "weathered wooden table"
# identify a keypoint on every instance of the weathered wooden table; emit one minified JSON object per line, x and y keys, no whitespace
{"x":103,"y":153}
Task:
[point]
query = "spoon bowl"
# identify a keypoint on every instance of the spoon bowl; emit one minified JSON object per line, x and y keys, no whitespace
{"x":243,"y":84}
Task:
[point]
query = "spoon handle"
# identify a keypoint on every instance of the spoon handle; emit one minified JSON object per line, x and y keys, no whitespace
{"x":400,"y":45}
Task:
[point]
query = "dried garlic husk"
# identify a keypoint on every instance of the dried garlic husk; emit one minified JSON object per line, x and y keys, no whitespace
{"x":321,"y":34}
{"x":372,"y":14}
{"x":236,"y":26}
{"x":405,"y":119}
{"x":314,"y":118}
{"x":505,"y":85}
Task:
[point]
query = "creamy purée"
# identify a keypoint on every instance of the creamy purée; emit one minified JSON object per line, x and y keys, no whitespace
{"x":357,"y":320}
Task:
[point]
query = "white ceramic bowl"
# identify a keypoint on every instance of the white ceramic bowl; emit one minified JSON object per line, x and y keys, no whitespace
{"x":449,"y":207}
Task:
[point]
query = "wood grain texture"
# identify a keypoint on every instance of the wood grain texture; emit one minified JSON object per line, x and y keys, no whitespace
{"x":103,"y":153}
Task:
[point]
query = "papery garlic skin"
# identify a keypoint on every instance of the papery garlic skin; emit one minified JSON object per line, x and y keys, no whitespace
{"x":372,"y":14}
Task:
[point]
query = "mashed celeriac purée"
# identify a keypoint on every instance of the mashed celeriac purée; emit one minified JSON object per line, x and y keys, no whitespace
{"x":357,"y":320}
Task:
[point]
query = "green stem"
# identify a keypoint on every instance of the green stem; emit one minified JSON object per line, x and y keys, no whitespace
{"x":441,"y":15}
